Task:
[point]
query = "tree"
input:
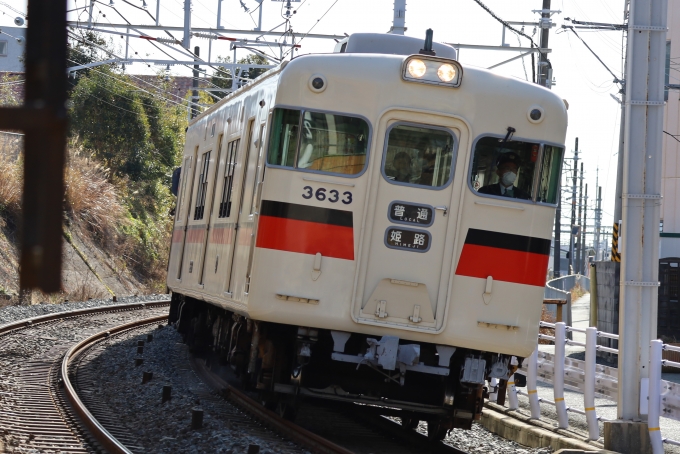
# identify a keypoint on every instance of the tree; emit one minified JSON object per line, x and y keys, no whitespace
{"x":222,"y":77}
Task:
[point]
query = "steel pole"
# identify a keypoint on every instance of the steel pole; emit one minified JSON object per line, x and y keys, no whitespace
{"x":641,"y":196}
{"x":543,"y":63}
{"x":194,"y":87}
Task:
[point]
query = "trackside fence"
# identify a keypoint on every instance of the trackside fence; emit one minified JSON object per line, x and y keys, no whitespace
{"x":595,"y":380}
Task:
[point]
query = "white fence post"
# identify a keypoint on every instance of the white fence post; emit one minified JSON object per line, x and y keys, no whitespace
{"x":512,"y":394}
{"x":655,"y":349}
{"x":532,"y":371}
{"x":558,"y":380}
{"x":589,"y":381}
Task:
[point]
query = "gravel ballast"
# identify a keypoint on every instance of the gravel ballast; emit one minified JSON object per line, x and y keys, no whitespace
{"x":9,"y":314}
{"x":165,"y":428}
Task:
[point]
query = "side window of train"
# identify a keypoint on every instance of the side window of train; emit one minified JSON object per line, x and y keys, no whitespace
{"x":180,"y":198}
{"x":202,"y":187}
{"x":505,"y":169}
{"x":549,"y":184}
{"x":317,"y":141}
{"x":228,"y":184}
{"x":418,"y":156}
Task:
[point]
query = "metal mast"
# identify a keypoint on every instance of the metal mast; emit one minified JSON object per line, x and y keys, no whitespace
{"x":399,"y":21}
{"x":579,"y":238}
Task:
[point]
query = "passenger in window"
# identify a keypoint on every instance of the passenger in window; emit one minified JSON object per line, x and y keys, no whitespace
{"x":402,"y":167}
{"x":507,"y":169}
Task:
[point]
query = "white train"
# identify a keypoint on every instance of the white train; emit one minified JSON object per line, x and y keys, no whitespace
{"x":371,"y":225}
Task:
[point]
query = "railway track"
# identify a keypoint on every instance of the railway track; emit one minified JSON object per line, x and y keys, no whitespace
{"x":331,"y":429}
{"x":35,"y":413}
{"x":49,"y":402}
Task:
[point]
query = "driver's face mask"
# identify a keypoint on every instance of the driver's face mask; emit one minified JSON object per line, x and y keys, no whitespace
{"x":508,"y":178}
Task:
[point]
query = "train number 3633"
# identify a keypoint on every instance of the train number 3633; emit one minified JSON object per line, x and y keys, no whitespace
{"x":322,"y":194}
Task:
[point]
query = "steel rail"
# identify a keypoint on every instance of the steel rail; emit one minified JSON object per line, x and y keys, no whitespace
{"x":26,"y":322}
{"x":103,"y":437}
{"x":284,"y":427}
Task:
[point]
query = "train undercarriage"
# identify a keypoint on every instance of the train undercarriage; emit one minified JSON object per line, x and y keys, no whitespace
{"x":415,"y":381}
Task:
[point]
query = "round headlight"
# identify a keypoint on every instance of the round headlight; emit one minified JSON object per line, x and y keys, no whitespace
{"x":416,"y":68}
{"x":446,"y":72}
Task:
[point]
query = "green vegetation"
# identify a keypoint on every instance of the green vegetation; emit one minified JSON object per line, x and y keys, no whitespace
{"x":223,"y":78}
{"x":137,"y":135}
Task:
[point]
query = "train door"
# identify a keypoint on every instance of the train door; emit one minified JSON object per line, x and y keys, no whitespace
{"x":243,"y":227}
{"x":258,"y":180}
{"x":183,"y":214}
{"x":209,"y":209}
{"x":406,"y":280}
{"x":224,"y":230}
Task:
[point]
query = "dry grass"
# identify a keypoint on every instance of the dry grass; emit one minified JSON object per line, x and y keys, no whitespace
{"x":90,"y":197}
{"x":546,"y":317}
{"x":577,"y":292}
{"x":10,"y":186}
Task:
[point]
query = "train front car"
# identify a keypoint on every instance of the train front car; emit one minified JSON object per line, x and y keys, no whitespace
{"x":403,"y":232}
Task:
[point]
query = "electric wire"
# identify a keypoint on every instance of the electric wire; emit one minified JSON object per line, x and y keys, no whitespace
{"x":312,"y":28}
{"x":13,"y":9}
{"x":510,"y":27}
{"x":616,"y":79}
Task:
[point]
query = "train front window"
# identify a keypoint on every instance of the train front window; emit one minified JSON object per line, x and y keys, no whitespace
{"x":418,"y":156}
{"x":504,"y":169}
{"x":328,"y":143}
{"x":549,"y":184}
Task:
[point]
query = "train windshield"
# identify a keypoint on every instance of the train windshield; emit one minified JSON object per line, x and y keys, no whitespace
{"x":418,"y":156}
{"x":508,"y":169}
{"x":317,"y":141}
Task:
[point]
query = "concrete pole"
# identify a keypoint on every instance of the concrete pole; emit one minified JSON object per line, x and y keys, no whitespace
{"x":89,"y":18}
{"x":186,"y":41}
{"x":158,"y":12}
{"x":194,"y":87}
{"x":573,"y":208}
{"x":579,"y":239}
{"x":641,"y":195}
{"x":543,"y":63}
{"x":259,"y":20}
{"x":598,"y":224}
{"x":584,"y":249}
{"x":399,"y":20}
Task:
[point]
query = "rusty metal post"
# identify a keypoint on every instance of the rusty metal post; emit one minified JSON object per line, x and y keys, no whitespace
{"x":43,"y":118}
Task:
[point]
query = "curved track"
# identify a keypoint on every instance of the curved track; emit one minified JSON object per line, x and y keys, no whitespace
{"x":48,"y":403}
{"x":34,"y":414}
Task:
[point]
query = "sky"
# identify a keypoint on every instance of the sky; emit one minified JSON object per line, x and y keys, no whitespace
{"x":580,"y":78}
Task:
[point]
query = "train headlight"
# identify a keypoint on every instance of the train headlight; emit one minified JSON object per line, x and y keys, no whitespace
{"x":446,"y":72}
{"x":431,"y":70}
{"x":417,"y":68}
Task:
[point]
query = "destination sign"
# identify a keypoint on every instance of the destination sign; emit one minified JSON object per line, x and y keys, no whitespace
{"x":407,"y":239}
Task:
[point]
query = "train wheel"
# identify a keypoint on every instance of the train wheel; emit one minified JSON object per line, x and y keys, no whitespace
{"x":436,"y":431}
{"x":409,"y":423}
{"x":286,"y":410}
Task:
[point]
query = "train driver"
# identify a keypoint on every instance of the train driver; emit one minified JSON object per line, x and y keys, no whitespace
{"x":507,"y":169}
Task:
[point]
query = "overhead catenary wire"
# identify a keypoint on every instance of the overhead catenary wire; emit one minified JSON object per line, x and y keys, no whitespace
{"x":568,"y":27}
{"x":510,"y":27}
{"x":312,"y":27}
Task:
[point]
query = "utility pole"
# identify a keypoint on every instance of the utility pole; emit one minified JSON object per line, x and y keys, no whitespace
{"x":641,"y":189}
{"x":219,"y":15}
{"x":186,"y":41}
{"x":544,"y":73}
{"x":573,"y":208}
{"x":579,"y":241}
{"x":399,"y":20}
{"x":158,"y":12}
{"x":598,"y":195}
{"x":194,"y":87}
{"x":584,"y":236}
